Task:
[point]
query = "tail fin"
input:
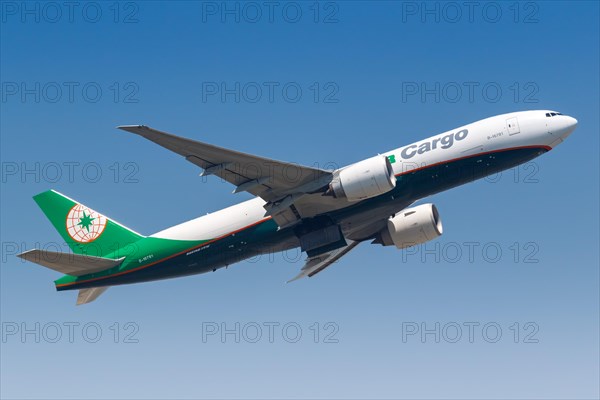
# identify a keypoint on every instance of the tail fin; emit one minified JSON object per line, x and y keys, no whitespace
{"x":83,"y":229}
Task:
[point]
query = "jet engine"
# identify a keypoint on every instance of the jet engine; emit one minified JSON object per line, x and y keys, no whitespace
{"x":363,"y":180}
{"x":411,"y":227}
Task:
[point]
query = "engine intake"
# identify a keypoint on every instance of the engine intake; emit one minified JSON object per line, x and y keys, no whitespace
{"x":363,"y":180}
{"x":411,"y":227}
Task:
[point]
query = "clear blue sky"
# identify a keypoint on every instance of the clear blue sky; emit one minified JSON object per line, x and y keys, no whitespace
{"x":319,"y":85}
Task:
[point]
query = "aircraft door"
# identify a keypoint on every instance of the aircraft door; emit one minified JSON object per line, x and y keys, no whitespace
{"x":512,"y":126}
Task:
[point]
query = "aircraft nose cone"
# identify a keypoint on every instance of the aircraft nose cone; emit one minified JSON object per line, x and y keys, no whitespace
{"x":569,"y":126}
{"x":564,"y":126}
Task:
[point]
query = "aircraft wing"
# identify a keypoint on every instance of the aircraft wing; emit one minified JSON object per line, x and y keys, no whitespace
{"x":318,"y":263}
{"x":270,"y":179}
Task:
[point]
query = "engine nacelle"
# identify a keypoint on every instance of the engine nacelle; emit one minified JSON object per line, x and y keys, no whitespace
{"x":363,"y":180}
{"x":411,"y":227}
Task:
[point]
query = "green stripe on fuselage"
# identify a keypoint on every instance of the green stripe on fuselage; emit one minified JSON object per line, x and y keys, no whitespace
{"x":140,"y":254}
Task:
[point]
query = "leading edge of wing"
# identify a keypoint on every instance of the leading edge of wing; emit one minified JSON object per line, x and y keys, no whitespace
{"x":154,"y":135}
{"x":259,"y":176}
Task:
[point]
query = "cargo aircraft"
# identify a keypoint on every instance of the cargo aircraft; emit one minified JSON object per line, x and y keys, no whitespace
{"x":325,"y":213}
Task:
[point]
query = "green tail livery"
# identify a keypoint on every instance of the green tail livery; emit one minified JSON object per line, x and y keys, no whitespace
{"x":105,"y":252}
{"x":98,"y":243}
{"x":83,"y":229}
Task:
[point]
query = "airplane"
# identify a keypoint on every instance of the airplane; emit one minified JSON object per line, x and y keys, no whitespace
{"x":326,"y":213}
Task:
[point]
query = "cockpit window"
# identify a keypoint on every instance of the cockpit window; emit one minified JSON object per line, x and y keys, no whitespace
{"x":552,"y":114}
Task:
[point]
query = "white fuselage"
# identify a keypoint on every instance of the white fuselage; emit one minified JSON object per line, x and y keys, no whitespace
{"x":540,"y":129}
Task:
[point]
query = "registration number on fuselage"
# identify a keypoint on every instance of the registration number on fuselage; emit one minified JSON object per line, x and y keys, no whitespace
{"x":146,"y":258}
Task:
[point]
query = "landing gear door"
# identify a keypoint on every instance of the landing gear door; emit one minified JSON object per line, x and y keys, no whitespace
{"x":512,"y":125}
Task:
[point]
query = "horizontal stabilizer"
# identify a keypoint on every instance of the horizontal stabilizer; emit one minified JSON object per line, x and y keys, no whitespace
{"x":89,"y":295}
{"x":69,"y":263}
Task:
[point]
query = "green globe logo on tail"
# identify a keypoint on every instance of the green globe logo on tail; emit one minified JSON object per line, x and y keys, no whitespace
{"x":84,"y":225}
